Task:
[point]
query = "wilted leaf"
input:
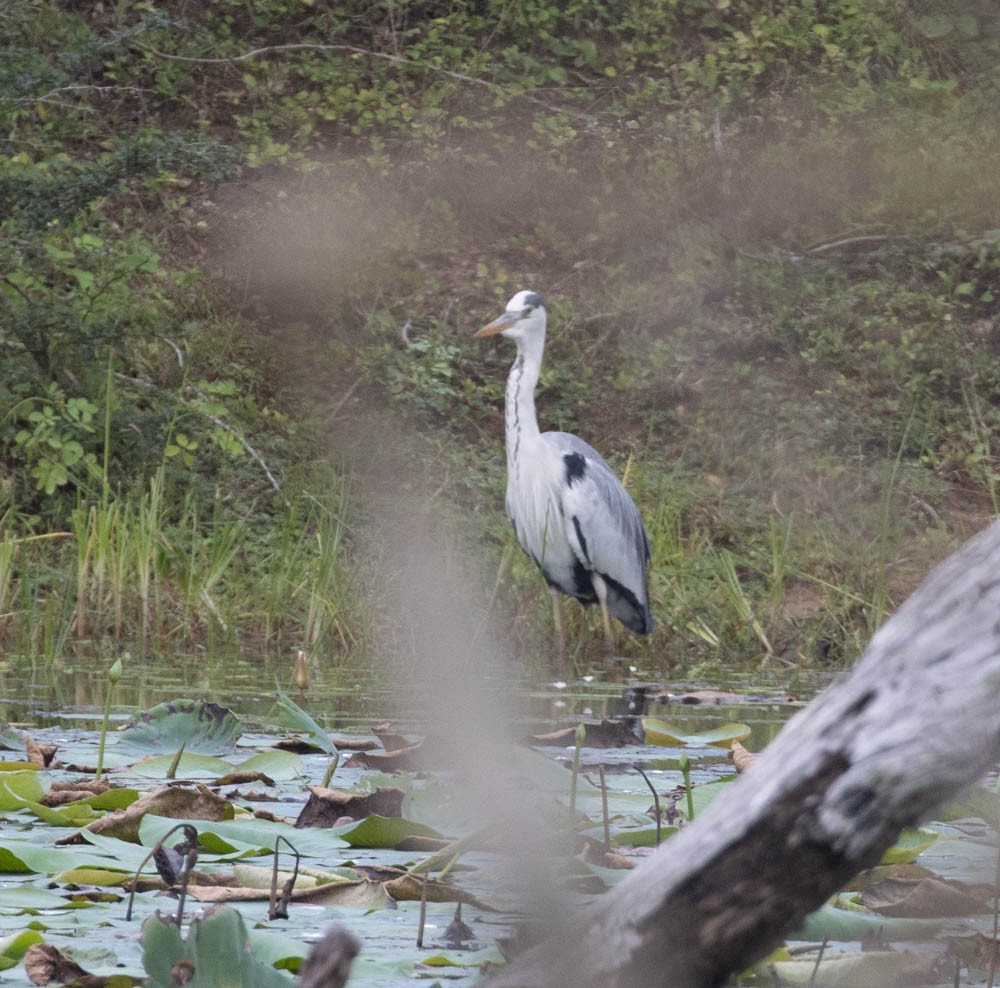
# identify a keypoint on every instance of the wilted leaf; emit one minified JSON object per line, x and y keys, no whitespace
{"x":927,"y":897}
{"x":662,"y":733}
{"x":62,"y":793}
{"x":39,"y":754}
{"x":328,"y":807}
{"x":362,"y":893}
{"x":253,"y":877}
{"x":742,"y":759}
{"x":44,"y":964}
{"x":410,"y":888}
{"x":175,"y":802}
{"x":601,"y":734}
{"x":401,"y":760}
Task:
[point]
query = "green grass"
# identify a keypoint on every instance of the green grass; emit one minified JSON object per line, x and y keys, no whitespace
{"x":770,"y":244}
{"x":128,"y":573}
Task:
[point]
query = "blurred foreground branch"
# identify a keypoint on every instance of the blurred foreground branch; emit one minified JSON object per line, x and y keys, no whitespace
{"x":916,"y":722}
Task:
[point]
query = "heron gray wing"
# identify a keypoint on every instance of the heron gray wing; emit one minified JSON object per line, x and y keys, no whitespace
{"x":604,"y":526}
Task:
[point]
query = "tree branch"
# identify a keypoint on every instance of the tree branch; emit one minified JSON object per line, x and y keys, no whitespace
{"x":916,"y":722}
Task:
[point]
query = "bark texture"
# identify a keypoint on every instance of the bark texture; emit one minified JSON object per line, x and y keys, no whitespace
{"x":915,"y":722}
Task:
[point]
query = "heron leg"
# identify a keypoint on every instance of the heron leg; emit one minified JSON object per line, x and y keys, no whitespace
{"x":558,"y":619}
{"x":601,"y":589}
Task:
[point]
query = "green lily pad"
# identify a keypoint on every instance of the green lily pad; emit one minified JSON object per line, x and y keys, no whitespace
{"x":199,"y":726}
{"x":16,"y":945}
{"x":382,"y":832}
{"x":702,"y":796}
{"x":645,"y":837}
{"x":832,"y":923}
{"x":30,"y":898}
{"x":16,"y":787}
{"x":662,"y":733}
{"x":94,"y":876}
{"x":909,"y":846}
{"x":248,"y":835}
{"x":217,"y":945}
{"x":189,"y":766}
{"x":279,"y":765}
{"x":295,"y":718}
{"x":881,"y":967}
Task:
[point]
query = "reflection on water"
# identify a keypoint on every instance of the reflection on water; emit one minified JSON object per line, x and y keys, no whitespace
{"x":73,"y":691}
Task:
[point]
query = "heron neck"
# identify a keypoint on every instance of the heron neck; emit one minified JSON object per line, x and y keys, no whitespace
{"x":522,"y":423}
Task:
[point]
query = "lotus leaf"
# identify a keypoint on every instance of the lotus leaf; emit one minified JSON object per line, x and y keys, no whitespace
{"x":198,"y":726}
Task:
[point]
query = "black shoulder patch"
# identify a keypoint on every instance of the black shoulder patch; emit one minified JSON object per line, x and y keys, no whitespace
{"x":576,"y":466}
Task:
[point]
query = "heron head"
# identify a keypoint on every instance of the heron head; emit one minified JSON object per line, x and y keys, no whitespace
{"x":525,"y":313}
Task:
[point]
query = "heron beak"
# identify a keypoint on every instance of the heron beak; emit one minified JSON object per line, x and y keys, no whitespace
{"x":498,"y":325}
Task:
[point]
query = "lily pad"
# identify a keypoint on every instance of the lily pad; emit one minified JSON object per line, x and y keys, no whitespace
{"x":382,"y":831}
{"x":830,"y":923}
{"x":909,"y":846}
{"x":199,"y":726}
{"x":217,"y":946}
{"x":295,"y":718}
{"x":848,"y":970}
{"x":662,"y":733}
{"x":644,"y":837}
{"x":189,"y":766}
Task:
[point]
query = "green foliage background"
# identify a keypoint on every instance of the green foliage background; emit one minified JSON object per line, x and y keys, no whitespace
{"x":769,"y":235}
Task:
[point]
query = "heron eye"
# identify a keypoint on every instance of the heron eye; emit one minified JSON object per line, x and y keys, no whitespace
{"x":526,"y":312}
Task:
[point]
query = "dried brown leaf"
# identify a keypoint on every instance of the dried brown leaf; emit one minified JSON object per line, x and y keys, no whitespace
{"x":181,"y":802}
{"x":742,"y":758}
{"x":44,"y":964}
{"x":328,"y":807}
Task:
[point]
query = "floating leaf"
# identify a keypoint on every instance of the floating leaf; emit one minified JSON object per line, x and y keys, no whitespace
{"x":28,"y":898}
{"x":279,"y":765}
{"x":173,"y":802}
{"x":16,"y":945}
{"x":909,"y":846}
{"x":381,"y":831}
{"x":187,"y":767}
{"x":17,"y":787}
{"x":248,"y":834}
{"x":296,"y":719}
{"x":646,"y":837}
{"x":199,"y":726}
{"x":831,"y":923}
{"x":94,"y":876}
{"x":927,"y":897}
{"x":217,"y":946}
{"x":662,"y":733}
{"x":882,"y":967}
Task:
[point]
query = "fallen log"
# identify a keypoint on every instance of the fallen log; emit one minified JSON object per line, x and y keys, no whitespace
{"x":915,"y":723}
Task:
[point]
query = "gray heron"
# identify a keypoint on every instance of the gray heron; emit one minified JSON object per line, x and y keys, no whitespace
{"x":570,"y":512}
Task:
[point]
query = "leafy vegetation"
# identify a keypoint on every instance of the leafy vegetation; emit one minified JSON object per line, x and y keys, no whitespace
{"x":243,"y":248}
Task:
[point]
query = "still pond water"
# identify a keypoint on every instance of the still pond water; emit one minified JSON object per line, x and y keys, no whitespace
{"x":63,"y":702}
